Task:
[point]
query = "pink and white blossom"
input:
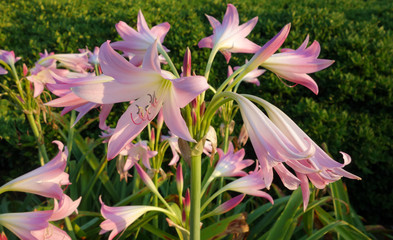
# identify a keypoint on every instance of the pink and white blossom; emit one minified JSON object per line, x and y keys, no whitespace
{"x":44,"y":181}
{"x":231,"y":163}
{"x":26,"y":225}
{"x":294,"y":65}
{"x":271,"y":145}
{"x":8,"y":57}
{"x":118,"y":219}
{"x":250,"y":184}
{"x":136,"y":43}
{"x":148,"y":89}
{"x":229,"y":37}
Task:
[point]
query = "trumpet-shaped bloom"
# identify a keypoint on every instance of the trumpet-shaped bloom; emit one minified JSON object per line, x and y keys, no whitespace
{"x":250,"y":184}
{"x":271,"y":146}
{"x":45,"y":180}
{"x":8,"y":57}
{"x":228,"y":205}
{"x":231,"y":164}
{"x":64,"y":208}
{"x":118,"y":219}
{"x":26,"y":225}
{"x":148,"y":88}
{"x":229,"y":37}
{"x":293,"y":65}
{"x":251,"y":77}
{"x":134,"y":153}
{"x":327,"y":169}
{"x":136,"y":43}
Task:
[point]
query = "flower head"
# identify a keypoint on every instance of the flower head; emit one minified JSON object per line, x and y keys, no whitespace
{"x":45,"y":180}
{"x":271,"y":146}
{"x":8,"y":57}
{"x":26,"y":225}
{"x":250,"y":184}
{"x":231,"y":164}
{"x":136,"y":43}
{"x":293,"y":65}
{"x":148,"y":89}
{"x":229,"y":37}
{"x":118,"y":219}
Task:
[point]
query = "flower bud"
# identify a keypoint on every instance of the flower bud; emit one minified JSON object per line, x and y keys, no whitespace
{"x":179,"y":179}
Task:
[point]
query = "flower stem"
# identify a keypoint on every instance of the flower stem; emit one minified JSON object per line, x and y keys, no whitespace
{"x":195,"y":214}
{"x":168,"y":59}
{"x":40,"y":142}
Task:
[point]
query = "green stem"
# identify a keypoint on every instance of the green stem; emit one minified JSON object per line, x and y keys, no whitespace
{"x":168,"y":59}
{"x":40,"y":142}
{"x":195,"y":213}
{"x":18,"y":85}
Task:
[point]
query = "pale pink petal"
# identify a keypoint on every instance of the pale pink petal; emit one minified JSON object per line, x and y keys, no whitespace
{"x":188,"y":88}
{"x":174,"y":120}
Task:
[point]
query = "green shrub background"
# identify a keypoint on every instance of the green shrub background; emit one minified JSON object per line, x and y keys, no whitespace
{"x":352,"y":112}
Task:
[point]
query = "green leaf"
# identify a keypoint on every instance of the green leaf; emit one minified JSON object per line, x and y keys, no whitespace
{"x":218,"y":228}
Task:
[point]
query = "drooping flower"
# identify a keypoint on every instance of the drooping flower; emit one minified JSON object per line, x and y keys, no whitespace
{"x":327,"y":169}
{"x":229,"y":37}
{"x":148,"y":88}
{"x":271,"y":146}
{"x":118,"y":219}
{"x":250,"y":184}
{"x":136,"y":43}
{"x":78,"y":62}
{"x":294,"y":65}
{"x":231,"y":163}
{"x":44,"y":181}
{"x":26,"y":225}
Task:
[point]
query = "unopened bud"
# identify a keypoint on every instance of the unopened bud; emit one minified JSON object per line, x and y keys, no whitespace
{"x":202,"y":109}
{"x":187,"y":201}
{"x":187,"y":63}
{"x":179,"y":179}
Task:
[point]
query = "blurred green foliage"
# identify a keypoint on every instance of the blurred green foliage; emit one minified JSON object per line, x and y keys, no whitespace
{"x":351,"y":113}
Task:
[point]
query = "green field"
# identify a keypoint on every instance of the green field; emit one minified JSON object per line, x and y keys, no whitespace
{"x":352,"y":113}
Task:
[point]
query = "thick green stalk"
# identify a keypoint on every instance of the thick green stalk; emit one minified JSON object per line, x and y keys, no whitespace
{"x":195,"y":214}
{"x":40,"y":142}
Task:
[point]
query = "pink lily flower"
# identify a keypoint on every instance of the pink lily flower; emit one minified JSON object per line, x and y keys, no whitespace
{"x":78,"y":62}
{"x":44,"y":181}
{"x":26,"y":225}
{"x":136,"y":43}
{"x":8,"y":57}
{"x":231,"y":164}
{"x":118,"y":219}
{"x":271,"y":146}
{"x":134,"y":153}
{"x":148,"y":88}
{"x":45,"y":72}
{"x":249,"y":184}
{"x":229,"y":37}
{"x":64,"y":208}
{"x":293,"y":65}
{"x":327,"y":169}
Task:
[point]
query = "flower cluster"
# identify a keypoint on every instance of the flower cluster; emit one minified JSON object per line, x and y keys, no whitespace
{"x":44,"y":181}
{"x":130,"y":71}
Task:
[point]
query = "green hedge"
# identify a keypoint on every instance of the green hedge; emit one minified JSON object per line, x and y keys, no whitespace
{"x":352,"y":113}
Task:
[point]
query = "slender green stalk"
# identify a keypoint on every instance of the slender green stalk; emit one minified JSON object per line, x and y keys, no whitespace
{"x":18,"y":85}
{"x":40,"y":142}
{"x":70,"y":228}
{"x":195,"y":213}
{"x":168,"y":59}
